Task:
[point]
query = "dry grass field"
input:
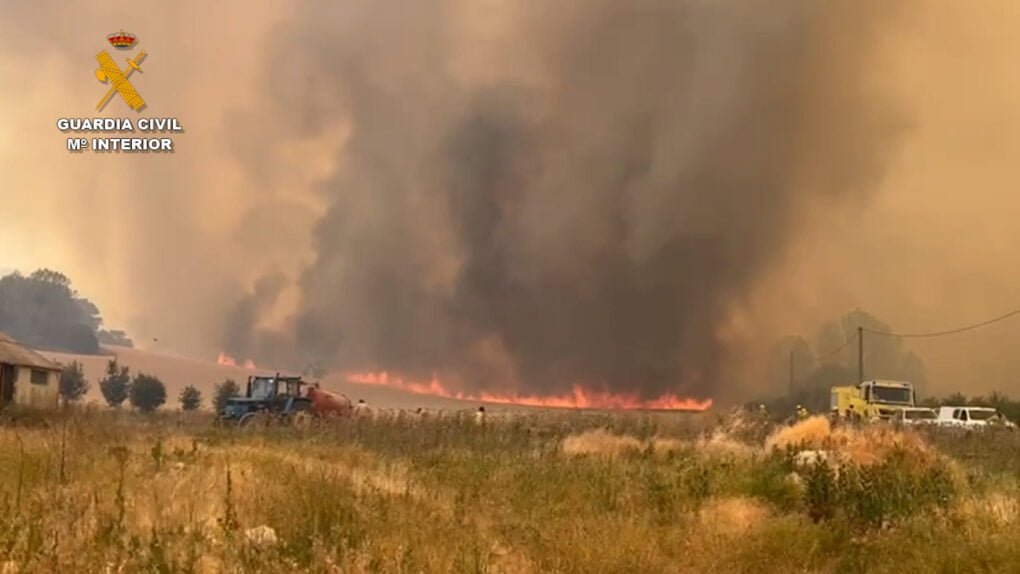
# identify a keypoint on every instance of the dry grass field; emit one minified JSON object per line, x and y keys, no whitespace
{"x":103,"y":491}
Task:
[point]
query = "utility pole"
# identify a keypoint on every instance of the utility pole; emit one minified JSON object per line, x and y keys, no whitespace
{"x":790,"y":392}
{"x":860,"y":354}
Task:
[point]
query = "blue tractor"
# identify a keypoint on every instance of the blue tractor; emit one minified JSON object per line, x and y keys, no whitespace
{"x":268,"y":400}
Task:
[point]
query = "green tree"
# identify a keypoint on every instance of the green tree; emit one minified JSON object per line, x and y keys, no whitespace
{"x":73,"y":385}
{"x":147,"y":393}
{"x":912,"y":369}
{"x":832,"y":346}
{"x":191,"y":398}
{"x":1009,"y":408}
{"x":42,"y":310}
{"x":223,"y":392}
{"x":956,"y":399}
{"x":884,"y":356}
{"x":115,"y":384}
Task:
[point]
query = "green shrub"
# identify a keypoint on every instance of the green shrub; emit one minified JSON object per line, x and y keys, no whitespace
{"x":770,"y":480}
{"x":875,"y":495}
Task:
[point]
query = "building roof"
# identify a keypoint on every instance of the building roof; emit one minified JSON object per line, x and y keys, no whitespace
{"x":14,"y":353}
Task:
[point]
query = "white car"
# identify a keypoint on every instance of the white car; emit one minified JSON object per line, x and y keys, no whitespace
{"x":914,"y":416}
{"x":971,"y":417}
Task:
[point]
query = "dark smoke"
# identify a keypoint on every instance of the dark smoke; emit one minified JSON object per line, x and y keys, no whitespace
{"x":584,"y":197}
{"x":241,"y":328}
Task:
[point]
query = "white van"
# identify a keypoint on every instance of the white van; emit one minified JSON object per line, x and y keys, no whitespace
{"x":971,"y":417}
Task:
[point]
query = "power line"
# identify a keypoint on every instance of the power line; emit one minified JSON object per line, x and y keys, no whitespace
{"x":841,"y":347}
{"x":949,"y":332}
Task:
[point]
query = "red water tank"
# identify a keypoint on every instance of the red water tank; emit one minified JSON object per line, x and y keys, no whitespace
{"x":325,"y":403}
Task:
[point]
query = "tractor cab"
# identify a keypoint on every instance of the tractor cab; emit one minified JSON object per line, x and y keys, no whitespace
{"x":274,"y":387}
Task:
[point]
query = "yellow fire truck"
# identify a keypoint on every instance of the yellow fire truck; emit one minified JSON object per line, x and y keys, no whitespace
{"x":876,"y":399}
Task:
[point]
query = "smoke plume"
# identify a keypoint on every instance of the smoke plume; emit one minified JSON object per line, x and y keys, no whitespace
{"x":737,"y":170}
{"x":526,"y":195}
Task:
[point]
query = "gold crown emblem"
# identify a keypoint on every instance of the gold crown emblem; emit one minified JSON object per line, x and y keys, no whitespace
{"x":122,"y":40}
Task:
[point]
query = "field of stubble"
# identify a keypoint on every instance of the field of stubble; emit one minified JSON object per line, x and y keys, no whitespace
{"x":541,"y":492}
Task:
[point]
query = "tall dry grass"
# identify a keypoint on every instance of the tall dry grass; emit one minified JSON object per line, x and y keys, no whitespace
{"x":856,"y":444}
{"x":539,"y":492}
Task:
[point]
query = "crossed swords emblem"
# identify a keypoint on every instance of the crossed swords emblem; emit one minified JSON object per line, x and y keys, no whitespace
{"x":109,"y":71}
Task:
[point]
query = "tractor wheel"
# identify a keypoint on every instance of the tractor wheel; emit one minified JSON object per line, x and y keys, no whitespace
{"x":255,"y":421}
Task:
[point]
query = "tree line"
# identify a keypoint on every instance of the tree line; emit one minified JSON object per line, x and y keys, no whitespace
{"x":804,"y":373}
{"x":144,"y":392}
{"x":43,"y":311}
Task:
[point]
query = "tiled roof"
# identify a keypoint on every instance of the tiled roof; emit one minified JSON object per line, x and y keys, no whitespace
{"x":14,"y":353}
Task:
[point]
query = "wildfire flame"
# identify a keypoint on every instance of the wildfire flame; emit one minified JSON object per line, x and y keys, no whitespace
{"x":579,"y":398}
{"x":228,"y":361}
